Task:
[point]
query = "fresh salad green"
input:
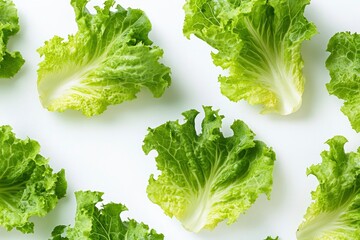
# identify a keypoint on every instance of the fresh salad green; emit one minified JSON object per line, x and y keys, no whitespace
{"x":10,"y":62}
{"x":108,"y":61}
{"x":28,"y":186}
{"x":259,"y":43}
{"x":334,"y":213}
{"x":207,"y":178}
{"x":102,"y":223}
{"x":271,"y":238}
{"x":344,"y":67}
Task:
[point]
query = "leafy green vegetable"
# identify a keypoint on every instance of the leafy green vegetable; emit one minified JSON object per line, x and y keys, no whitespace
{"x":335,"y":212}
{"x":28,"y":186}
{"x":10,"y":62}
{"x":108,"y":61}
{"x":271,"y":238}
{"x":259,"y":42}
{"x":207,"y":178}
{"x":92,"y":223}
{"x":344,"y":66}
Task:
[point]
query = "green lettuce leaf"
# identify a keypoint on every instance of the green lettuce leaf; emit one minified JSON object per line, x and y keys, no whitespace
{"x":259,"y":43}
{"x":108,"y":61}
{"x":92,"y":223}
{"x":344,"y":67}
{"x":28,"y":186}
{"x":10,"y":62}
{"x":271,"y":238}
{"x":334,"y":213}
{"x":207,"y":178}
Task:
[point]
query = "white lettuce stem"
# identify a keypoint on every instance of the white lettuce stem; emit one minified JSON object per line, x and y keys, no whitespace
{"x":285,"y":88}
{"x":319,"y":225}
{"x":278,"y":76}
{"x":196,"y":214}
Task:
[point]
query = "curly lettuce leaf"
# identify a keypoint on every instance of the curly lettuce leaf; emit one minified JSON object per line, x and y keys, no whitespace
{"x":335,"y":210}
{"x":207,"y":178}
{"x":93,"y":223}
{"x":28,"y":186}
{"x":10,"y":62}
{"x":108,"y":61}
{"x":344,"y":67}
{"x":259,"y":42}
{"x":271,"y":238}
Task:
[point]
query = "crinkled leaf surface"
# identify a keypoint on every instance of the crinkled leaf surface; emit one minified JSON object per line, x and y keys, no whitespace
{"x":108,"y":61}
{"x":344,"y":67}
{"x":334,"y":213}
{"x":207,"y":178}
{"x":10,"y":62}
{"x":259,"y":43}
{"x":93,"y":223}
{"x":28,"y":186}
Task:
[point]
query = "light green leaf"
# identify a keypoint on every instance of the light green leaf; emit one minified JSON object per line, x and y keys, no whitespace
{"x":344,"y":67}
{"x":207,"y":178}
{"x":259,"y":42}
{"x":334,"y":213}
{"x":10,"y":62}
{"x":28,"y":186}
{"x":94,"y":223}
{"x":108,"y":61}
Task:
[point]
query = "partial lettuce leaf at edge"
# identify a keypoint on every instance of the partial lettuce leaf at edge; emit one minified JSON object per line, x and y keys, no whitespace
{"x":108,"y":61}
{"x":10,"y":62}
{"x":28,"y":186}
{"x":344,"y":67}
{"x":335,"y":210}
{"x":207,"y":178}
{"x":271,"y":238}
{"x":259,"y":42}
{"x":93,"y":222}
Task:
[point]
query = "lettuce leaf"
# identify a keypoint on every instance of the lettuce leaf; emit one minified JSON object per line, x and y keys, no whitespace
{"x":344,"y":67}
{"x":10,"y":62}
{"x":207,"y":178}
{"x":108,"y":61}
{"x":93,"y":223}
{"x":271,"y":238}
{"x":28,"y":186}
{"x":259,"y":43}
{"x":335,"y":210}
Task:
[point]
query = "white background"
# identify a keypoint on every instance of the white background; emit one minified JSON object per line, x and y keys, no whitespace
{"x":104,"y":152}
